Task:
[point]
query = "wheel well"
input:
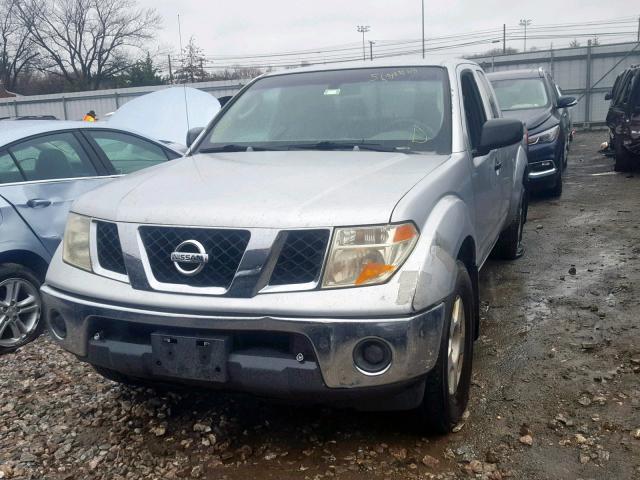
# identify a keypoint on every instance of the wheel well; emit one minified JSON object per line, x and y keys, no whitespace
{"x":467,"y":255}
{"x":27,"y":259}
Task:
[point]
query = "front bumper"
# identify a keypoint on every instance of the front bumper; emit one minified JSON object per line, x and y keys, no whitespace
{"x":543,"y":164}
{"x":328,"y":366}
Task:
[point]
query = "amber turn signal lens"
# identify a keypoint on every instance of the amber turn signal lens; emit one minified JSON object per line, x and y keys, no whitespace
{"x":373,"y":270}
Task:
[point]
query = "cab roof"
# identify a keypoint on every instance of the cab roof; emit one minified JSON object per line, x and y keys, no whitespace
{"x":524,"y":73}
{"x":391,"y":62}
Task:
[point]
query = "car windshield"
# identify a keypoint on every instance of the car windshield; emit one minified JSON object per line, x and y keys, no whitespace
{"x":387,"y":109}
{"x":521,"y":93}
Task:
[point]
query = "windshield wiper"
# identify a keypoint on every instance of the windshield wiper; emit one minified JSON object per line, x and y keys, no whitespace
{"x":232,"y":147}
{"x":327,"y":145}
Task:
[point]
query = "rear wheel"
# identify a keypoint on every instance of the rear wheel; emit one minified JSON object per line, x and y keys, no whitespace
{"x":624,"y":162}
{"x":447,"y":385}
{"x":20,"y":307}
{"x":509,"y":246}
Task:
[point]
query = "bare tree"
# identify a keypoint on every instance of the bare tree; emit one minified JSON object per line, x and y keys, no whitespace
{"x":87,"y":41}
{"x":17,"y":50}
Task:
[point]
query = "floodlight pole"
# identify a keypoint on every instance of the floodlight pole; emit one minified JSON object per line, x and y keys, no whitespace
{"x":525,"y":22}
{"x":363,"y":29}
{"x":423,"y":50}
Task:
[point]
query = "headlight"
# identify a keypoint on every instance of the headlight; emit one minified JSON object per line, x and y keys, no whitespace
{"x":368,"y":255}
{"x":545,"y":137}
{"x":75,"y":245}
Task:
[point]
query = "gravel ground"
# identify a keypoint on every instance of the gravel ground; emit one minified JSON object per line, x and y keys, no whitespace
{"x":555,"y":394}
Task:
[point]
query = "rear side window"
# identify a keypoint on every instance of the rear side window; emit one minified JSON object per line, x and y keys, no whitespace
{"x":488,"y":93}
{"x":127,"y":153}
{"x":9,"y":172}
{"x":473,"y":108}
{"x":52,"y":157}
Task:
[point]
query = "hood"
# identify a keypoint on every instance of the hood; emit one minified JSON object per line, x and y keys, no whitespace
{"x":263,"y":189}
{"x":533,"y":117}
{"x":162,"y":114}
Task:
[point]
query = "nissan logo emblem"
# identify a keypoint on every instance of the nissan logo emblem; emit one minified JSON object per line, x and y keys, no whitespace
{"x":191,"y":253}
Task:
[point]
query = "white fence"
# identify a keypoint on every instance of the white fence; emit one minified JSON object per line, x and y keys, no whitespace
{"x":73,"y":106}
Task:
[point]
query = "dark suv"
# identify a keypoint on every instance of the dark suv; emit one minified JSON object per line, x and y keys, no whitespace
{"x":623,"y":119}
{"x":533,"y":97}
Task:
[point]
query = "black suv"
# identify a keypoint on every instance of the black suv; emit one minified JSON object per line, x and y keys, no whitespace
{"x":533,"y":97}
{"x":623,"y":119}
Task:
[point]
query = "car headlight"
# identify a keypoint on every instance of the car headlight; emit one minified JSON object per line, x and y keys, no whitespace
{"x":75,"y":245}
{"x":546,"y":136}
{"x":368,"y":255}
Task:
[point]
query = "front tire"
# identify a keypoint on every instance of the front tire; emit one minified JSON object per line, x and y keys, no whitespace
{"x":448,"y":383}
{"x":20,"y":307}
{"x":556,"y":190}
{"x":624,"y":162}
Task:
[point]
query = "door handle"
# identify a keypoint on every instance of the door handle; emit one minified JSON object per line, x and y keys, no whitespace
{"x":38,"y":203}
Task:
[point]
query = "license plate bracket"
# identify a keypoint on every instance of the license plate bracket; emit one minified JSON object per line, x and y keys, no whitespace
{"x":190,"y":357}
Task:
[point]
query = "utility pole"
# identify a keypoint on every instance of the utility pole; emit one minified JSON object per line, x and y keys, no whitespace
{"x":525,"y":22}
{"x":638,"y":29}
{"x":504,"y":38}
{"x":363,"y":29}
{"x":170,"y":70}
{"x":371,"y":42}
{"x":423,"y":51}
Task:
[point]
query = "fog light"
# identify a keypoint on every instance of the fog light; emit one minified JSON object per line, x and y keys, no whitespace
{"x":372,"y":356}
{"x":57,"y":325}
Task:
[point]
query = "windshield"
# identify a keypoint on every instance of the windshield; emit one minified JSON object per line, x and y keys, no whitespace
{"x":394,"y":109}
{"x":521,"y":93}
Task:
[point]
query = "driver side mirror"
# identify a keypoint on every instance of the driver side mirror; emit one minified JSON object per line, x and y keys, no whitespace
{"x":192,"y":134}
{"x":498,"y":133}
{"x":565,"y":102}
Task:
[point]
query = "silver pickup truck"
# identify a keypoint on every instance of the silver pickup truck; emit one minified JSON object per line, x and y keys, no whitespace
{"x":321,"y":242}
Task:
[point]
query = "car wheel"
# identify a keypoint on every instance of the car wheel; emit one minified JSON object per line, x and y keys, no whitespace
{"x":509,"y":245}
{"x":447,"y":385}
{"x":565,"y":162}
{"x":556,"y":190}
{"x":624,"y":162}
{"x":20,"y":307}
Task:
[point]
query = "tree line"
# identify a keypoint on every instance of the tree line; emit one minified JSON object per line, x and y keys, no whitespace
{"x":51,"y":46}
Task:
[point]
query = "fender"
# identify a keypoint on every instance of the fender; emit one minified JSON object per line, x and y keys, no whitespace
{"x":448,"y":225}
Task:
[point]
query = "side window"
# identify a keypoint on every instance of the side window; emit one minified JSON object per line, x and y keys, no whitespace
{"x":52,"y":157}
{"x":9,"y":172}
{"x":473,"y":108}
{"x":127,"y":153}
{"x":487,"y":93}
{"x":622,"y":90}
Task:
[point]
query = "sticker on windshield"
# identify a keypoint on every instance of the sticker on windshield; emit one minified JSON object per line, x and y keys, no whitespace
{"x":332,"y":91}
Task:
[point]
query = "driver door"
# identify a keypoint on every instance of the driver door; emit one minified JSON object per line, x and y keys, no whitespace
{"x":485,"y":169}
{"x":53,"y":170}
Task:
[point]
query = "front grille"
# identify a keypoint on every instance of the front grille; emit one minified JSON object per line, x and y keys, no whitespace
{"x":301,"y":258}
{"x":109,"y":248}
{"x":224,"y":247}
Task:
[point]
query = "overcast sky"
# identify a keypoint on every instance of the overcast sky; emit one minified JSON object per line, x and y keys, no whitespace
{"x":246,"y":27}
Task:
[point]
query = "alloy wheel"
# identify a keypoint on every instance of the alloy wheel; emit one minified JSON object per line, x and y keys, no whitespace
{"x":455,"y":357}
{"x":20,"y":307}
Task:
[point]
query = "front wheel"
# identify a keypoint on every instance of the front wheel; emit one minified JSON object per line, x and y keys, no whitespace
{"x":447,"y":385}
{"x":623,"y":157}
{"x":20,"y":307}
